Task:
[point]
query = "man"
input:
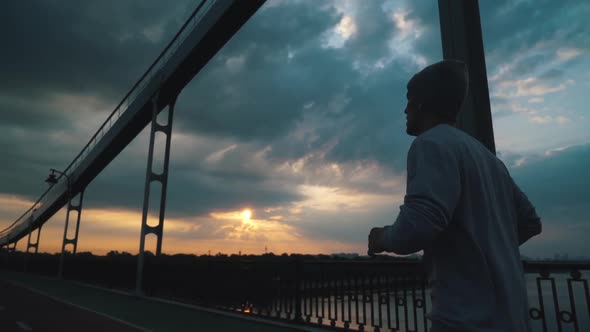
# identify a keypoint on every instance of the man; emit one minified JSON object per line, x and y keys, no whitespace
{"x":463,"y":209}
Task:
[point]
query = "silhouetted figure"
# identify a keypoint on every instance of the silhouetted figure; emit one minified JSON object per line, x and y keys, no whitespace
{"x":463,"y":209}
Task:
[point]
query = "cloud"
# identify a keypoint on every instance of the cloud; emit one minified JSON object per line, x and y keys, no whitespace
{"x":549,"y":119}
{"x":534,"y":68}
{"x":270,"y":101}
{"x":311,"y":138}
{"x":552,"y":182}
{"x":547,"y":21}
{"x":341,"y":33}
{"x":568,"y":53}
{"x":530,"y":86}
{"x":236,"y":63}
{"x":82,"y":48}
{"x":541,"y":119}
{"x":516,"y":107}
{"x":347,"y":27}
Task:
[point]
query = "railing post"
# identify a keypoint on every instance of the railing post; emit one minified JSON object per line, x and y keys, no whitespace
{"x":298,"y":283}
{"x":146,"y":229}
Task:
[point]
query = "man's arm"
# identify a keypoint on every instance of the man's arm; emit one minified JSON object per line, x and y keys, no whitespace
{"x":433,"y":192}
{"x":528,"y":222}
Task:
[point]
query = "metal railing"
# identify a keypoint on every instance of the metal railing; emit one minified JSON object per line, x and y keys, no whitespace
{"x":364,"y":295}
{"x":560,"y":299}
{"x":27,"y":213}
{"x":387,"y":296}
{"x":360,"y":295}
{"x":136,"y":89}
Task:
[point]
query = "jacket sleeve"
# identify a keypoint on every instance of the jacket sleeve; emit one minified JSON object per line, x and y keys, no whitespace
{"x":432,"y":194}
{"x":528,"y":222}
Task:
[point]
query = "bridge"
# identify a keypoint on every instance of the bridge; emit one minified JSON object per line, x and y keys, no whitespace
{"x":206,"y":31}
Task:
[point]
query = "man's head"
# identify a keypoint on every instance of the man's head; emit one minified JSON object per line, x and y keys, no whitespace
{"x":436,"y":95}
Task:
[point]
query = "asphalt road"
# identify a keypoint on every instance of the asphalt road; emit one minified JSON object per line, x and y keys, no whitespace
{"x":22,"y":310}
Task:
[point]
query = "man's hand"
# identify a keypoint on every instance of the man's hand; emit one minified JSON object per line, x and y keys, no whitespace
{"x":376,"y":240}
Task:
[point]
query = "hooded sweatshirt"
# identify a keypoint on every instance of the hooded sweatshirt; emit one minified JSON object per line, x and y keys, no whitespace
{"x":465,"y":211}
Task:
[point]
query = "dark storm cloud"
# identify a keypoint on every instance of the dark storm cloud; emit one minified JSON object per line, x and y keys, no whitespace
{"x":284,"y":68}
{"x":29,"y":113}
{"x":375,"y":124}
{"x":69,"y":48}
{"x":193,"y":193}
{"x":82,"y":47}
{"x":558,"y":186}
{"x":29,"y":136}
{"x":195,"y":185}
{"x":255,"y":89}
{"x":369,"y":43}
{"x":25,"y":166}
{"x":265,"y":97}
{"x":427,"y":15}
{"x":527,"y":34}
{"x":558,"y":180}
{"x":74,"y":48}
{"x":511,"y":26}
{"x":274,"y":87}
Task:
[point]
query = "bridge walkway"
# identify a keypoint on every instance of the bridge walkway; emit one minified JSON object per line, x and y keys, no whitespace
{"x":113,"y":307}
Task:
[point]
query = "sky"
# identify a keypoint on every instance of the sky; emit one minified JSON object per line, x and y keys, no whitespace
{"x":292,"y":138}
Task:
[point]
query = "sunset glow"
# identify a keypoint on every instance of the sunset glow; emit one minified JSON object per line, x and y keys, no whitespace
{"x":247,"y":214}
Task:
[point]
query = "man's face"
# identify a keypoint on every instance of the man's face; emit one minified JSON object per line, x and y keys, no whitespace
{"x":412,"y":115}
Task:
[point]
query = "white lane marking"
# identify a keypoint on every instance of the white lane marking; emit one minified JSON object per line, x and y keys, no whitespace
{"x":23,"y":326}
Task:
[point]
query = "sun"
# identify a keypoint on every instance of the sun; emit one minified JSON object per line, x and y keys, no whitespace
{"x":246,"y":214}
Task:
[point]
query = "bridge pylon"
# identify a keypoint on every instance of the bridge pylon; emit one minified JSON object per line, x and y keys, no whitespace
{"x":30,"y":244}
{"x":73,"y":240}
{"x":13,"y":247}
{"x":151,"y":176}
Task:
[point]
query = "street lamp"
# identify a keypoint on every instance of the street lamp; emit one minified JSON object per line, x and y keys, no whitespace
{"x":51,"y":179}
